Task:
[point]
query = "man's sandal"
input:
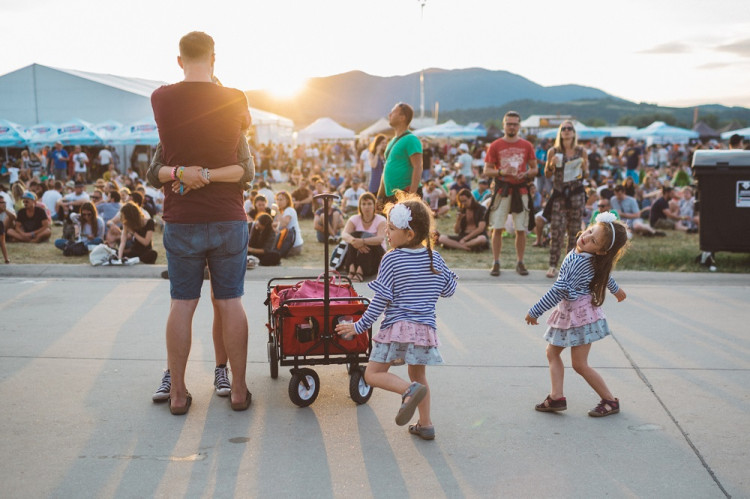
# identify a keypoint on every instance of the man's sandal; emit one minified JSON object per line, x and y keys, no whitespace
{"x":423,"y":432}
{"x":551,"y":405}
{"x":416,"y":392}
{"x":605,"y":408}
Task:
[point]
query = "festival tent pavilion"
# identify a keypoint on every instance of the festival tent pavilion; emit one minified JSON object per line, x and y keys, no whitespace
{"x":77,"y":133}
{"x":270,"y":127}
{"x":659,"y":132}
{"x":108,"y":129}
{"x":743,"y":132}
{"x":324,"y":129}
{"x":450,"y":130}
{"x":12,"y":135}
{"x":142,"y":132}
{"x":705,"y":131}
{"x":583,"y":132}
{"x":380,"y":126}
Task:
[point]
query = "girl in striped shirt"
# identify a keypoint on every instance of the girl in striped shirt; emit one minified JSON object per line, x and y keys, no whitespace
{"x":578,"y":319}
{"x":411,"y":278}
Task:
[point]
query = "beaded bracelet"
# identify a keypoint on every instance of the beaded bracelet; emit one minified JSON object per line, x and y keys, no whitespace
{"x":174,"y":173}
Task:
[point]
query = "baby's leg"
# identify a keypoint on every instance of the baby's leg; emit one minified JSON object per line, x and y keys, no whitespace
{"x":418,"y":373}
{"x":580,"y":358}
{"x":556,"y":371}
{"x":377,"y":375}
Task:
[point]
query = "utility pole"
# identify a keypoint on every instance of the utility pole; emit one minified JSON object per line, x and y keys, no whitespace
{"x":421,"y":73}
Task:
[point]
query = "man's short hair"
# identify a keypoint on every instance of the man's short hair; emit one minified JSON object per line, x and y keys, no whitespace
{"x":511,"y":114}
{"x":196,"y":45}
{"x":407,"y":111}
{"x":114,"y":196}
{"x":619,"y":188}
{"x":666,"y":188}
{"x":58,"y":185}
{"x":735,"y":140}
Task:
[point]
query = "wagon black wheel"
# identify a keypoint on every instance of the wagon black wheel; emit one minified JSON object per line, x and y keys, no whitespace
{"x":273,"y":359}
{"x":304,"y":387}
{"x":359,"y":390}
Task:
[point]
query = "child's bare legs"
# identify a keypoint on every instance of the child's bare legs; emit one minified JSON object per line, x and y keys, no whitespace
{"x":556,"y":371}
{"x":377,"y":375}
{"x":580,"y":358}
{"x":418,"y":373}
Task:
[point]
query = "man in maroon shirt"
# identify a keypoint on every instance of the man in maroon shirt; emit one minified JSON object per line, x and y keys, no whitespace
{"x":200,"y":126}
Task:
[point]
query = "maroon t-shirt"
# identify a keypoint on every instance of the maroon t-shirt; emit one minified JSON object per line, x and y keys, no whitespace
{"x":201,"y":124}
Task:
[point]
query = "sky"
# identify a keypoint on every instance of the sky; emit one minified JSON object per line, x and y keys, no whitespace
{"x":667,"y":52}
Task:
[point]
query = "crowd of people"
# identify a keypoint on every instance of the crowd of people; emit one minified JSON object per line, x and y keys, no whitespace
{"x":650,"y":188}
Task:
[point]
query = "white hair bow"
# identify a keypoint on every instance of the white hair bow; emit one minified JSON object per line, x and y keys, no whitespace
{"x":400,"y":216}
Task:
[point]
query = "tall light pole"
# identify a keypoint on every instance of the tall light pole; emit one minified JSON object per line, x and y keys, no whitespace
{"x":421,"y":73}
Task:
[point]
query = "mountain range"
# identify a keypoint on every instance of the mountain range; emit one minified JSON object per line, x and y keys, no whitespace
{"x":356,"y":99}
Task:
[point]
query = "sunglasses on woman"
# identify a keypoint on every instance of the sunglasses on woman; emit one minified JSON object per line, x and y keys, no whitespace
{"x":567,"y":129}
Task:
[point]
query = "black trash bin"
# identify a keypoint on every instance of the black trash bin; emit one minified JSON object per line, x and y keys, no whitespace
{"x":724,"y":197}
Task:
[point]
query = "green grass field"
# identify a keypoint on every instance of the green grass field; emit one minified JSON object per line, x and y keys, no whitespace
{"x":674,"y":253}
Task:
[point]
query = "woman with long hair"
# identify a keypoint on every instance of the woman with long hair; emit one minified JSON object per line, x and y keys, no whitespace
{"x":376,"y":159}
{"x":567,"y":166}
{"x":365,"y":234}
{"x":89,"y":226}
{"x":137,"y":234}
{"x":286,"y":216}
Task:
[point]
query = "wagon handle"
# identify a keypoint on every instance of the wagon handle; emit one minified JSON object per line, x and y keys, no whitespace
{"x":327,"y":197}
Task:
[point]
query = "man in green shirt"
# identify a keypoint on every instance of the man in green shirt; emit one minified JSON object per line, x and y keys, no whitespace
{"x":403,"y":156}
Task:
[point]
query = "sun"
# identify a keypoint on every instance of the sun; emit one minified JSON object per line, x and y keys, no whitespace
{"x":286,"y":87}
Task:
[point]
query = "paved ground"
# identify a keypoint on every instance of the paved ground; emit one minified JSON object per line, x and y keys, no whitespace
{"x":82,"y":350}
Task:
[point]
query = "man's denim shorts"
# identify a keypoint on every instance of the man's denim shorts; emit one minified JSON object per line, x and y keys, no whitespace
{"x":223,"y":245}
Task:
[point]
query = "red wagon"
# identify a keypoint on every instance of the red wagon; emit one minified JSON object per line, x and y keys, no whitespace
{"x":301,"y":331}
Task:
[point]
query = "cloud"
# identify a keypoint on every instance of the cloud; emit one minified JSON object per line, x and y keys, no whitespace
{"x":668,"y":48}
{"x":741,"y":48}
{"x":714,"y":65}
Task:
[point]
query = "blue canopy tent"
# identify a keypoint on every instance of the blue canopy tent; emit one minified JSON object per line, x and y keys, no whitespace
{"x":42,"y":133}
{"x":743,"y":132}
{"x":142,"y":132}
{"x":77,"y":133}
{"x":450,"y":130}
{"x":108,"y":129}
{"x":12,"y":134}
{"x":659,"y":132}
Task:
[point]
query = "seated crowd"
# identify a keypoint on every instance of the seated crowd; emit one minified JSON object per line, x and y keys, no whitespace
{"x":122,"y":211}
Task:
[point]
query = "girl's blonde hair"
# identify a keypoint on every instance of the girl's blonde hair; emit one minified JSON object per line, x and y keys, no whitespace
{"x":603,"y":264}
{"x":422,"y":222}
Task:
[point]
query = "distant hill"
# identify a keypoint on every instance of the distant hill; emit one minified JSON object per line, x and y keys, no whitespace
{"x":357,"y":98}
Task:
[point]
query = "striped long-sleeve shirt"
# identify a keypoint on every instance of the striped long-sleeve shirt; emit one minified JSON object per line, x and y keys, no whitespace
{"x":576,"y":274}
{"x":406,"y":288}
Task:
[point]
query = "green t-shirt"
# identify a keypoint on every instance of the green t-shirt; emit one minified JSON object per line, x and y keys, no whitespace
{"x":397,"y":172}
{"x":596,"y":212}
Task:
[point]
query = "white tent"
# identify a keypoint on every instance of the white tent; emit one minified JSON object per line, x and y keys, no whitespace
{"x":271,"y":127}
{"x":659,"y":132}
{"x":324,"y":129}
{"x":380,"y":126}
{"x":449,"y":129}
{"x":583,"y":132}
{"x":744,"y":133}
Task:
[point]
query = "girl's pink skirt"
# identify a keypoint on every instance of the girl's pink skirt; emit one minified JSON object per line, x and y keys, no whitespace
{"x":575,"y":323}
{"x":405,"y":342}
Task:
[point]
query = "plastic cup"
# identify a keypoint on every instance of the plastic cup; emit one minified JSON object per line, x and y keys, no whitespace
{"x":559,"y":157}
{"x":346,"y":319}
